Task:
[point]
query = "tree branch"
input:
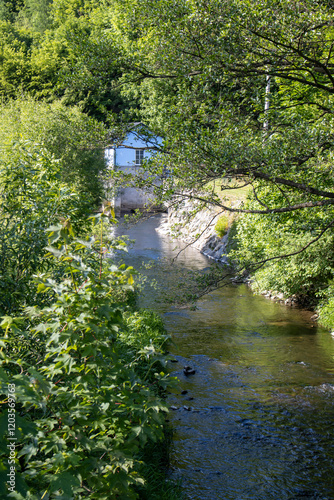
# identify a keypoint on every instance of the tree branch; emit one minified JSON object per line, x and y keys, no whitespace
{"x":284,"y":256}
{"x":280,"y":180}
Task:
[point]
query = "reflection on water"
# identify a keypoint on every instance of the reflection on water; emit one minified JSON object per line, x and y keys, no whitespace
{"x":257,"y":421}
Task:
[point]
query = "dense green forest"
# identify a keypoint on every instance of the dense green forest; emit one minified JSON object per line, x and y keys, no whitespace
{"x":242,"y":93}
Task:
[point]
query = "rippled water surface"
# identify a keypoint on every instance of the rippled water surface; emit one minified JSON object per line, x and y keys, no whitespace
{"x":257,"y":420}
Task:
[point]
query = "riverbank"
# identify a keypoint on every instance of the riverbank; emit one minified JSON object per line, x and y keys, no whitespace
{"x":88,"y":379}
{"x":146,"y":341}
{"x":196,"y":228}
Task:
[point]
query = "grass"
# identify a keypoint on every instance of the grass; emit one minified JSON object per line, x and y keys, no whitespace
{"x":230,"y":191}
{"x":222,"y":226}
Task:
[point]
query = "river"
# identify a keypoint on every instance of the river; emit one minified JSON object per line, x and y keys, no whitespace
{"x":256,"y":420}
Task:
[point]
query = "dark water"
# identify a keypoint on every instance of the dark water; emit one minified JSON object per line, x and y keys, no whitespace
{"x":257,"y":421}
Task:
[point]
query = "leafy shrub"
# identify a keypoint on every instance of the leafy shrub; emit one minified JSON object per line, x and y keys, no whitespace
{"x":83,"y":409}
{"x":326,"y":313}
{"x":222,"y":226}
{"x":269,"y":237}
{"x":325,"y":307}
{"x":32,"y":196}
{"x":69,"y":135}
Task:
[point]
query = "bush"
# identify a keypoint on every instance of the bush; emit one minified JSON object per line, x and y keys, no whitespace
{"x":278,"y":240}
{"x":222,"y":225}
{"x":83,"y":409}
{"x":32,"y":196}
{"x":326,"y":313}
{"x":68,"y":135}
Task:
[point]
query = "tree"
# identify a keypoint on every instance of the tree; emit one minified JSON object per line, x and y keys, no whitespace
{"x":215,"y":57}
{"x":9,"y":9}
{"x":201,"y":68}
{"x":65,"y":50}
{"x":212,"y":59}
{"x":36,"y":14}
{"x":74,"y":139}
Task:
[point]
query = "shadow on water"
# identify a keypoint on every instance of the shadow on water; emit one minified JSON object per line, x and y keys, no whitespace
{"x":256,"y":421}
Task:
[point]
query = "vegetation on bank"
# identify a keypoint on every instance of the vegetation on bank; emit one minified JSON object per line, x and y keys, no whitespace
{"x":281,"y":259}
{"x":74,"y":139}
{"x":82,"y":376}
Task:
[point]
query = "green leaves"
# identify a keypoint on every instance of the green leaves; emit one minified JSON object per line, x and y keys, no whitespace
{"x":32,"y":196}
{"x":85,"y":403}
{"x":66,"y":482}
{"x":63,"y":230}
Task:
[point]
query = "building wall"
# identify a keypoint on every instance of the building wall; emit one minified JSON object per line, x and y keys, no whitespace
{"x":123,"y":158}
{"x":126,"y":153}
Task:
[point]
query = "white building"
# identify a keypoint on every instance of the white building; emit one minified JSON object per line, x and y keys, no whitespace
{"x":127,"y":158}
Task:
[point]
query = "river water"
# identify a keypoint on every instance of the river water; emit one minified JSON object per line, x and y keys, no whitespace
{"x":257,"y":420}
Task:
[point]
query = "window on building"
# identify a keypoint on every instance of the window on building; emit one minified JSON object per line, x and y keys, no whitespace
{"x":139,"y":156}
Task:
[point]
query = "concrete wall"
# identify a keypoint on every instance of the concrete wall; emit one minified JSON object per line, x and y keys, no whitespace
{"x":197,"y":230}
